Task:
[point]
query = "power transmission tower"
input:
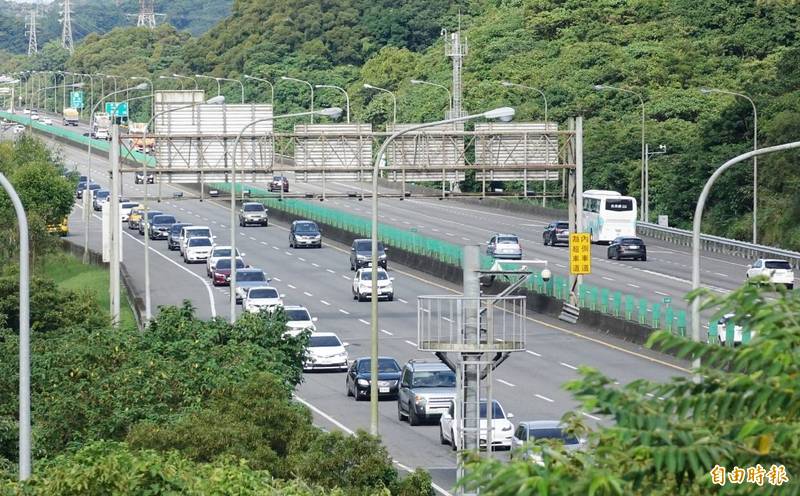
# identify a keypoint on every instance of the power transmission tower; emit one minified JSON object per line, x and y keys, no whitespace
{"x":66,"y":31}
{"x":147,"y":16}
{"x":33,"y":47}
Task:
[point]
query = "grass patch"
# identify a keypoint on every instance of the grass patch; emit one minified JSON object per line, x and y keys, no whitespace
{"x":69,"y":272}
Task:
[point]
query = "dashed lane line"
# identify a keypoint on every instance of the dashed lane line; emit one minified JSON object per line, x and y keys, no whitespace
{"x":363,"y":321}
{"x":325,"y":303}
{"x":501,"y":381}
{"x":568,"y":366}
{"x":387,"y":332}
{"x":342,"y":310}
{"x":412,"y":343}
{"x":544,"y":398}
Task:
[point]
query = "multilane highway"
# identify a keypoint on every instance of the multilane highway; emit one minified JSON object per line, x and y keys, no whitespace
{"x":527,"y":384}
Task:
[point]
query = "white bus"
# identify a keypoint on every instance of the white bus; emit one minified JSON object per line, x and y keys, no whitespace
{"x":608,"y":214}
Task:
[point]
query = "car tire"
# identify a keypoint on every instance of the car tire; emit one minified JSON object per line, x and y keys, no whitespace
{"x":360,"y":297}
{"x":644,"y":258}
{"x":347,"y":387}
{"x":291,"y":245}
{"x":452,"y":440}
{"x":413,"y":419}
{"x":442,"y":440}
{"x":544,"y":240}
{"x":400,"y":416}
{"x":608,"y":255}
{"x":789,"y":287}
{"x":390,"y":298}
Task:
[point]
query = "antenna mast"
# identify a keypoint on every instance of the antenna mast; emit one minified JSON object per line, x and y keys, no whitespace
{"x":456,"y":48}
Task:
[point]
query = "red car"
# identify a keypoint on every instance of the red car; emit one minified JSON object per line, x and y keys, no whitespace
{"x":221,"y":276}
{"x":279,"y":182}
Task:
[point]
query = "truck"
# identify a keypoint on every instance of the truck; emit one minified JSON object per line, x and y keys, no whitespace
{"x":71,"y":116}
{"x":101,"y":126}
{"x":137,"y":129}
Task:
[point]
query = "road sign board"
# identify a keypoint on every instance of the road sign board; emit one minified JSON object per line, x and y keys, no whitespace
{"x":120,"y":107}
{"x":76,"y":99}
{"x":580,"y":253}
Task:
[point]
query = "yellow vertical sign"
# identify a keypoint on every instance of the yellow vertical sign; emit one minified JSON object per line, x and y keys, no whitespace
{"x":580,"y":253}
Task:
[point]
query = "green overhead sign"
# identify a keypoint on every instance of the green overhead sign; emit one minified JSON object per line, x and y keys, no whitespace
{"x":76,"y":99}
{"x":117,"y":109}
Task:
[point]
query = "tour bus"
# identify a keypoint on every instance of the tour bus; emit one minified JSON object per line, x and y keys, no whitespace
{"x":607,"y":215}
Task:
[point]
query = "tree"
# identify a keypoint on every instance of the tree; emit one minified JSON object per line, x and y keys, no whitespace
{"x":666,"y":438}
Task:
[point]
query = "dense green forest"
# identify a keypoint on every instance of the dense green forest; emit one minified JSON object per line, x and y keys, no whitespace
{"x":664,"y":50}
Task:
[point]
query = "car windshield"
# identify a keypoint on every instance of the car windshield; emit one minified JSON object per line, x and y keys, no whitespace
{"x":507,"y":240}
{"x":152,"y":214}
{"x":101,"y":194}
{"x":198,"y":233}
{"x":163,"y":219}
{"x":553,"y":433}
{"x":199,"y":242}
{"x":619,"y":205}
{"x":562,"y":225}
{"x":384,"y":365}
{"x":497,"y":410}
{"x":297,"y":314}
{"x":632,"y":241}
{"x":128,"y":205}
{"x":366,"y":275}
{"x":263,"y":293}
{"x":251,"y":276}
{"x":225,"y":264}
{"x":176,"y":228}
{"x":306,"y":227}
{"x":94,"y":186}
{"x":320,"y":341}
{"x":254,"y":207}
{"x":777,"y":264}
{"x":434,"y":378}
{"x":367,"y":246}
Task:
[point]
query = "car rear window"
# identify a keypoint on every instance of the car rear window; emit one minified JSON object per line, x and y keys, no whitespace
{"x":777,"y":264}
{"x":297,"y":314}
{"x":317,"y":341}
{"x":510,"y":240}
{"x":367,"y":246}
{"x":251,"y":276}
{"x":199,"y":242}
{"x":384,"y":365}
{"x":562,"y":225}
{"x":225,"y":263}
{"x":551,"y":434}
{"x":177,"y":228}
{"x":198,"y":233}
{"x":254,"y":207}
{"x":434,"y":378}
{"x":632,"y":241}
{"x":305,"y":227}
{"x":262,"y":293}
{"x":366,"y":275}
{"x":163,"y":219}
{"x":619,"y":205}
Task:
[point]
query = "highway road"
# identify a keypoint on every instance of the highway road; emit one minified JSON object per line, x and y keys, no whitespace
{"x":527,"y":384}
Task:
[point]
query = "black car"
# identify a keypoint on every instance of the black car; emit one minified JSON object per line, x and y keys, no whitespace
{"x":627,"y":247}
{"x":305,"y":233}
{"x":358,"y":378}
{"x":174,"y":234}
{"x":160,"y":226}
{"x":140,"y":178}
{"x":361,"y":254}
{"x":556,"y":232}
{"x":82,"y":187}
{"x":279,"y":182}
{"x":145,"y":222}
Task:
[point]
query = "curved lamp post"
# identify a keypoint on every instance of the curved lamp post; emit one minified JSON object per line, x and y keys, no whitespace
{"x":333,"y":112}
{"x":311,"y":86}
{"x":180,"y":81}
{"x":233,"y":81}
{"x":346,"y":97}
{"x":394,"y":99}
{"x":180,"y":76}
{"x":499,"y":113}
{"x":219,"y":87}
{"x":436,"y":85}
{"x":271,"y":88}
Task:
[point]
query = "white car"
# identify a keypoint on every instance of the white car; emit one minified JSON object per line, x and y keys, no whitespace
{"x":262,"y":298}
{"x":190,"y":231}
{"x":35,"y":117}
{"x":502,"y":429}
{"x":125,"y":210}
{"x":19,"y":128}
{"x":197,"y":250}
{"x":535,"y":430}
{"x":776,"y":271}
{"x":217,"y":252}
{"x":325,"y":351}
{"x":298,"y":319}
{"x":362,"y":284}
{"x":47,"y":121}
{"x":722,"y":330}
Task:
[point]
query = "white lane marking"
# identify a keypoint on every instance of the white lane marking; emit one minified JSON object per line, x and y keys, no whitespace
{"x":307,"y":293}
{"x":449,"y":234}
{"x":412,"y":343}
{"x":182,"y":209}
{"x":345,"y":277}
{"x":386,"y":332}
{"x":301,"y":259}
{"x":590,"y":416}
{"x":434,"y":230}
{"x":446,"y":319}
{"x":402,"y":300}
{"x":325,"y":303}
{"x":263,"y":242}
{"x":633,"y":285}
{"x":289,"y":253}
{"x":561,"y":265}
{"x":569,"y":366}
{"x":363,"y":321}
{"x":343,"y":427}
{"x":608,"y":278}
{"x":275,"y":248}
{"x":721,"y":274}
{"x":465,"y":239}
{"x":543,"y":398}
{"x":222,"y":226}
{"x":315,"y":265}
{"x":406,"y":222}
{"x":331,"y":271}
{"x":188,"y":212}
{"x":291,"y":286}
{"x":252,"y":238}
{"x":662,"y":294}
{"x":276,"y":279}
{"x":532,"y":353}
{"x":344,"y":311}
{"x":501,"y":381}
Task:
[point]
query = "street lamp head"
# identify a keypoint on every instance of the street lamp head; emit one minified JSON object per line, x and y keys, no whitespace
{"x":286,"y":78}
{"x":416,"y":81}
{"x":705,"y":91}
{"x":216,"y":100}
{"x":599,"y":87}
{"x":503,"y":113}
{"x":176,"y":75}
{"x":506,"y":83}
{"x":332,"y":112}
{"x":165,"y":77}
{"x":142,"y":86}
{"x":77,"y":85}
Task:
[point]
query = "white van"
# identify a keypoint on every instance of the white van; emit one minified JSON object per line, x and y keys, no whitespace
{"x":192,"y":232}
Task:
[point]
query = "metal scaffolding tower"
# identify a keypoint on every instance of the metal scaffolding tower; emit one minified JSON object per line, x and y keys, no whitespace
{"x":33,"y":46}
{"x":147,"y":16}
{"x":456,"y":48}
{"x":66,"y":29}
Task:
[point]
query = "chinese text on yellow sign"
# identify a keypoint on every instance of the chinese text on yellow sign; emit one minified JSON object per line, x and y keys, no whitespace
{"x":580,"y":253}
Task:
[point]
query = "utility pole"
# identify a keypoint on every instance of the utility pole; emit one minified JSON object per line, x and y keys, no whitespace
{"x":32,"y":45}
{"x":66,"y":29}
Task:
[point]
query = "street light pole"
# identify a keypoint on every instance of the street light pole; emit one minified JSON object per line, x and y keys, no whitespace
{"x":233,"y":81}
{"x":394,"y":99}
{"x":697,"y":221}
{"x":179,"y":76}
{"x":755,"y":147}
{"x":271,"y":89}
{"x":500,"y":113}
{"x":449,"y":94}
{"x":662,"y":149}
{"x":219,"y":87}
{"x":600,"y":87}
{"x":180,"y":81}
{"x":24,"y":334}
{"x":152,"y":94}
{"x":333,"y":112}
{"x":346,"y":97}
{"x":311,"y":86}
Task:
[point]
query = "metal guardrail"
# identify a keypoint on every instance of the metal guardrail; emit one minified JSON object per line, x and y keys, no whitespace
{"x":717,"y":244}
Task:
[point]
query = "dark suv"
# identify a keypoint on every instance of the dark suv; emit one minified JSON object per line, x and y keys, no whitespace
{"x":305,"y":233}
{"x":279,"y":182}
{"x":173,"y":238}
{"x":160,"y":225}
{"x":556,"y":232}
{"x":627,"y":247}
{"x":361,"y":254}
{"x":426,"y":390}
